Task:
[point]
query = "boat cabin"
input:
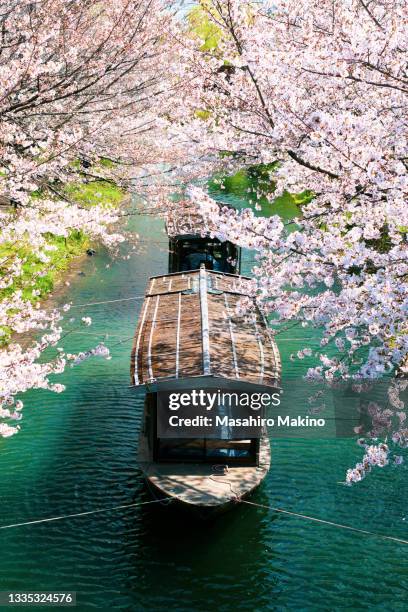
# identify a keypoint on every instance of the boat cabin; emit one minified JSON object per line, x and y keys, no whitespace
{"x":189,"y":334}
{"x":188,"y":249}
{"x":226,"y":450}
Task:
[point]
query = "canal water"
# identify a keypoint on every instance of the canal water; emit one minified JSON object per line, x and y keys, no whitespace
{"x":76,"y":452}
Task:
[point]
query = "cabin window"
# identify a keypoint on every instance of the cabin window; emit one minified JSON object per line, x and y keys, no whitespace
{"x":193,"y":261}
{"x":206,"y":450}
{"x":179,"y":448}
{"x":189,"y":253}
{"x":231,"y":449}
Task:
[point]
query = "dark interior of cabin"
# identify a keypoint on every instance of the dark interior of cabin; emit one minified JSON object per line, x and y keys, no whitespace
{"x":201,"y":450}
{"x":196,"y":450}
{"x":188,"y":253}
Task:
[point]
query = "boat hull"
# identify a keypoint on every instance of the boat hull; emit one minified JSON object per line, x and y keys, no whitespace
{"x":206,"y":490}
{"x":201,"y":512}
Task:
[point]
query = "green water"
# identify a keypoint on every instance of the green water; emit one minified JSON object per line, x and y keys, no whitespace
{"x":77,"y":452}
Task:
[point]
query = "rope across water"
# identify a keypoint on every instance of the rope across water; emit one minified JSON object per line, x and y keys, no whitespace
{"x":234,"y":498}
{"x":324,"y":522}
{"x":87,"y":513}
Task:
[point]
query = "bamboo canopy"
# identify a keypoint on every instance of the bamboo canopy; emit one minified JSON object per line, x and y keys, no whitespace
{"x":189,"y":327}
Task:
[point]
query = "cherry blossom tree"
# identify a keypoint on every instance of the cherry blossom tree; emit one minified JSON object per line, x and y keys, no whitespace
{"x":321,"y":88}
{"x":80,"y":83}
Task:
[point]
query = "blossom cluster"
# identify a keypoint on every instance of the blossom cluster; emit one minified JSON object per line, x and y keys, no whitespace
{"x":374,"y":456}
{"x":377,"y":455}
{"x":99,"y":351}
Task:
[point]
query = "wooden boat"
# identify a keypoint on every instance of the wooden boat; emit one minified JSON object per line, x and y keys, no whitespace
{"x":190,"y":335}
{"x":188,"y":250}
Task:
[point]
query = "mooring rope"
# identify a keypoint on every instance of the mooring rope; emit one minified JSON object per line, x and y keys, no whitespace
{"x":67,"y":516}
{"x":135,"y":297}
{"x":331,"y":523}
{"x":235,"y":498}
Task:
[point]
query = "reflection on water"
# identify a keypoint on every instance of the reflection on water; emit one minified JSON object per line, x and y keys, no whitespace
{"x":77,"y":452}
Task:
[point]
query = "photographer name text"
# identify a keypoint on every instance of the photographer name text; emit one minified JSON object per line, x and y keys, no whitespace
{"x":250,"y":421}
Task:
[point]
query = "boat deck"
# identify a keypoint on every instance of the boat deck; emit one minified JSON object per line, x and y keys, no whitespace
{"x":200,"y":484}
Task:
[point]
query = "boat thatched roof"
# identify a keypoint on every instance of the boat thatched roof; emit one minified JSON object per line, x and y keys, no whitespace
{"x":189,"y":327}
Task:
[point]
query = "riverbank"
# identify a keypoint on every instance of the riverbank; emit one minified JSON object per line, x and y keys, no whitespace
{"x":44,"y":277}
{"x":74,"y":267}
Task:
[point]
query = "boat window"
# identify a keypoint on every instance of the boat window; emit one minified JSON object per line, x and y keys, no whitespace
{"x":202,"y":450}
{"x":193,"y":261}
{"x":189,"y":254}
{"x":238,"y":449}
{"x":179,"y":448}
